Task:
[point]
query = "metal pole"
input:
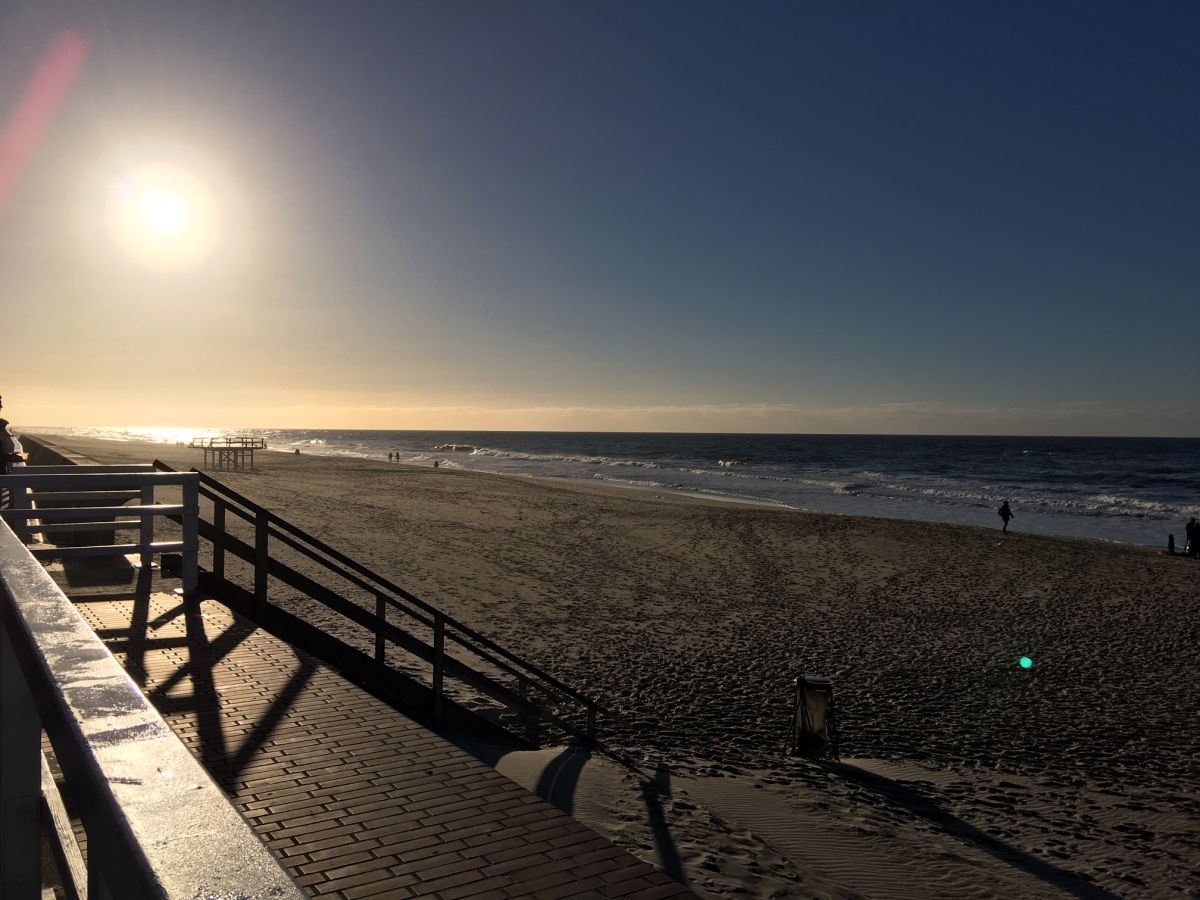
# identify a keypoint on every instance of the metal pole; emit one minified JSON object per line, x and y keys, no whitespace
{"x":381,"y":617}
{"x":96,"y":886}
{"x":21,"y":498}
{"x":439,"y":662}
{"x":146,"y":533}
{"x":218,"y":560}
{"x":20,"y":781}
{"x":191,"y":535}
{"x":260,"y":564}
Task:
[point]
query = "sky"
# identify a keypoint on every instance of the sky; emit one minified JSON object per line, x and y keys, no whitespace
{"x":950,"y":218}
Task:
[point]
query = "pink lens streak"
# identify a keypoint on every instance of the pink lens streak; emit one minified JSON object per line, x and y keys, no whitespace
{"x":41,"y":98}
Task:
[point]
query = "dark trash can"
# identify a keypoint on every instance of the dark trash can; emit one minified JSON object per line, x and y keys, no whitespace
{"x":814,"y":729}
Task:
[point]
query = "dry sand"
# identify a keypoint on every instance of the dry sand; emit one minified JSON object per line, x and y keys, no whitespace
{"x":962,"y":775}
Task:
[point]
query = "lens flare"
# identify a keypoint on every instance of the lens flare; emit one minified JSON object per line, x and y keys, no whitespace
{"x":46,"y":91}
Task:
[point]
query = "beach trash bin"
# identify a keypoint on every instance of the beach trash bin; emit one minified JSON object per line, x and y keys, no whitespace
{"x":813,"y":731}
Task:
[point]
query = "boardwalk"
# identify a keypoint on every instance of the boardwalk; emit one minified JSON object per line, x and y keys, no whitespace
{"x":355,"y":799}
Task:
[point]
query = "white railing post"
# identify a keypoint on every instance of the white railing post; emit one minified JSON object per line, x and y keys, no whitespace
{"x":20,"y":781}
{"x":191,"y":534}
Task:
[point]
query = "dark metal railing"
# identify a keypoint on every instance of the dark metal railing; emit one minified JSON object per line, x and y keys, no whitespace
{"x":532,"y":692}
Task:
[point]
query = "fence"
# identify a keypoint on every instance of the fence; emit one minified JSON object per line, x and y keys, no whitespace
{"x":450,"y":649}
{"x":255,"y":443}
{"x":79,"y":500}
{"x":156,"y":823}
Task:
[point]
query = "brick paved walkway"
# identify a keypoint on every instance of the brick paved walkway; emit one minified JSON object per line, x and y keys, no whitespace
{"x":354,"y":798}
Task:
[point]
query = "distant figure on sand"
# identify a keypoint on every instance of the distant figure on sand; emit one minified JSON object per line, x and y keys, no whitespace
{"x":1190,"y":530}
{"x":389,"y":456}
{"x":1006,"y":514}
{"x":435,"y":463}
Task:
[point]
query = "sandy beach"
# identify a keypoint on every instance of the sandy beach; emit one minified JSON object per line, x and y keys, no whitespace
{"x":962,"y":774}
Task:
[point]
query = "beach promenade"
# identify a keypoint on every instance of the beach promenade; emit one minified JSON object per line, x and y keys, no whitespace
{"x":355,"y":799}
{"x":963,"y":774}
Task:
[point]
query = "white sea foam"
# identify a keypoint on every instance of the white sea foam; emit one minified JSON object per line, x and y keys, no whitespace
{"x":1092,"y":490}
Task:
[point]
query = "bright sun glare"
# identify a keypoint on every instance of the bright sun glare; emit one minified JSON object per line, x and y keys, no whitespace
{"x":163,"y":217}
{"x":163,"y":211}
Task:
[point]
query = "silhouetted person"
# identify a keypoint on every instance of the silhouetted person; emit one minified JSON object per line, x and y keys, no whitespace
{"x":389,"y":456}
{"x":1006,"y":513}
{"x":1189,"y":530}
{"x":10,"y":448}
{"x":435,"y":463}
{"x":1171,"y":544}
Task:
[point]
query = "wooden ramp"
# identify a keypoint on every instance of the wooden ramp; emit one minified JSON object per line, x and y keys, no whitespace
{"x":354,"y":798}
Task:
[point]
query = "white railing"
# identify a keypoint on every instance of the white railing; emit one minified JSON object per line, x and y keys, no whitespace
{"x":51,"y":500}
{"x":157,"y":825}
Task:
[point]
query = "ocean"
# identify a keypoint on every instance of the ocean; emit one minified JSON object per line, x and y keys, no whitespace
{"x":1130,"y":490}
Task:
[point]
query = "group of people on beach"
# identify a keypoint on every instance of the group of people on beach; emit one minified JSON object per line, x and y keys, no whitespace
{"x":396,"y":458}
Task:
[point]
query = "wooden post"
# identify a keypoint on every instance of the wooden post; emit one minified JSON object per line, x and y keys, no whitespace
{"x":528,"y":719}
{"x":381,"y":617}
{"x":147,"y":530}
{"x":260,"y":565}
{"x":20,"y":498}
{"x":439,"y":662}
{"x":191,"y":535}
{"x":96,"y":886}
{"x":218,"y":560}
{"x":20,"y":782}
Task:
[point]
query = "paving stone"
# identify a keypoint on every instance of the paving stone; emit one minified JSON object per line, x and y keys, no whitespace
{"x":354,"y":799}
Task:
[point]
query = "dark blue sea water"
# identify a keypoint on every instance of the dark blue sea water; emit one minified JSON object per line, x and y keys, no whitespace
{"x":1134,"y":490}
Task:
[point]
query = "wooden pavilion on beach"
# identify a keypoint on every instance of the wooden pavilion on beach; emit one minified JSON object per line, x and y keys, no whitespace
{"x":235,"y":452}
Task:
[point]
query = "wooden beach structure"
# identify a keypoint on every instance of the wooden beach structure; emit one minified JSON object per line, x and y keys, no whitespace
{"x":229,"y":453}
{"x":231,"y":709}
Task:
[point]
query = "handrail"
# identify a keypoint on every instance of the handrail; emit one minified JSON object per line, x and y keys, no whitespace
{"x":382,"y":582}
{"x":443,"y":625}
{"x":253,"y":443}
{"x":157,"y":824}
{"x":100,"y":490}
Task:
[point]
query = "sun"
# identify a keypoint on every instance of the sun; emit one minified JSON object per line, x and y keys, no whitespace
{"x":164,"y":212}
{"x":163,"y":217}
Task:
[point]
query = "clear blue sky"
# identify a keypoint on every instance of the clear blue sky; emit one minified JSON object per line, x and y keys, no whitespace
{"x":842,"y":216}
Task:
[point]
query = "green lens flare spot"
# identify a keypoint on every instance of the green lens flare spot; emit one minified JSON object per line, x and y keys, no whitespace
{"x":1025,"y":662}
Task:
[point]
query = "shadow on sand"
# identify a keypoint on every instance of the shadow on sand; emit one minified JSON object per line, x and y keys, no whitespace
{"x":913,"y":803}
{"x":558,"y":784}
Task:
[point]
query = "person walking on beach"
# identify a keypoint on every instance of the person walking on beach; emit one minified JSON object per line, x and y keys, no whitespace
{"x":1191,"y":538}
{"x":1006,"y":513}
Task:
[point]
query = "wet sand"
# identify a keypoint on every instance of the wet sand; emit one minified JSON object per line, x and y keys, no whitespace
{"x":962,"y":774}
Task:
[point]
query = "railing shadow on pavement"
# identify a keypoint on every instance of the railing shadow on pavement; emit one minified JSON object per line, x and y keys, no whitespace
{"x":157,"y":824}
